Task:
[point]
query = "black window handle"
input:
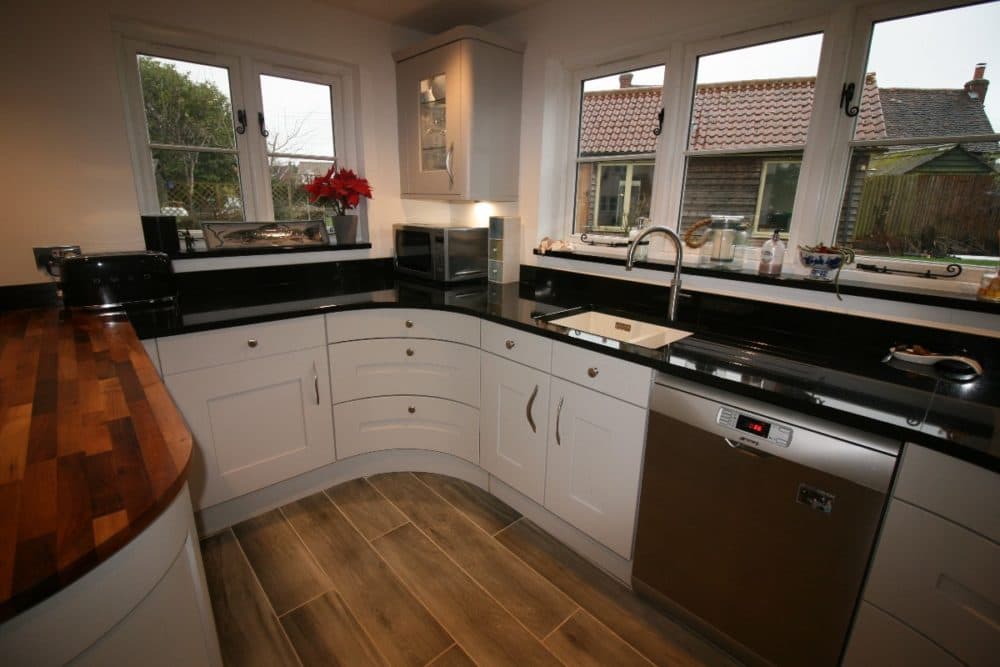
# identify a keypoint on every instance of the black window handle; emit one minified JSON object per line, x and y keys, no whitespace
{"x":260,"y":121}
{"x":846,"y":97}
{"x":241,"y":121}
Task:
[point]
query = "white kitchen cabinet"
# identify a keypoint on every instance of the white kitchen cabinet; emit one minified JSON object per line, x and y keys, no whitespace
{"x":392,"y":366}
{"x":936,"y":569}
{"x":256,"y":422}
{"x":595,"y":446}
{"x":514,"y":424}
{"x":459,"y":103}
{"x":407,"y":422}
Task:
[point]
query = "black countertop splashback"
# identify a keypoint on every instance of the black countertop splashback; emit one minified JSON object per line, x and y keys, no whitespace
{"x":825,"y":364}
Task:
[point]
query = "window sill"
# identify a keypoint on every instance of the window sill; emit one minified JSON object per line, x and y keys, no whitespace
{"x":273,"y":250}
{"x":848,"y":285}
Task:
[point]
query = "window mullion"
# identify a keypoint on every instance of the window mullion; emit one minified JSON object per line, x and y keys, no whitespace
{"x":253,"y":146}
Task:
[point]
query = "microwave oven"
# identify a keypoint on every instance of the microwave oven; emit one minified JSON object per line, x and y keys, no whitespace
{"x":439,"y":253}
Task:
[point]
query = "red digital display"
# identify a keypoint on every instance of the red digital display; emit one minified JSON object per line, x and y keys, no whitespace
{"x":755,"y":426}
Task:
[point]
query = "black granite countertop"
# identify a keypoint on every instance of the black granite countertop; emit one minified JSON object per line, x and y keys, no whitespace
{"x":847,"y":386}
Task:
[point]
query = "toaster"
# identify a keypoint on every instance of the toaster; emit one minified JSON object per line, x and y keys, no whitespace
{"x":111,"y":280}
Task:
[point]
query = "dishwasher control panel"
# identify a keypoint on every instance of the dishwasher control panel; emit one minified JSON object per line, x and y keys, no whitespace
{"x":777,"y":434}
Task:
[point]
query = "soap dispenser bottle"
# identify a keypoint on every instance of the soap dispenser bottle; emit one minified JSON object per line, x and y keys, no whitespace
{"x":771,"y":255}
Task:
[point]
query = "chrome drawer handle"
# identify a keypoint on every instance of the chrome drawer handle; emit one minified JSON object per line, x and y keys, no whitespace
{"x":252,"y":342}
{"x":531,"y":403}
{"x":409,"y":351}
{"x":316,"y":382}
{"x":592,"y":371}
{"x":409,"y":324}
{"x":411,"y":409}
{"x":558,"y":417}
{"x":510,"y":344}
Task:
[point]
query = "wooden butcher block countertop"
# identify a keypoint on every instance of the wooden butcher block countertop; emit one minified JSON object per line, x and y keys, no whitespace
{"x":92,"y":448}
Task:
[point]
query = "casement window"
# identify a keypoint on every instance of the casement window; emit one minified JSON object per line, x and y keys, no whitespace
{"x":872,"y":128}
{"x":230,"y":133}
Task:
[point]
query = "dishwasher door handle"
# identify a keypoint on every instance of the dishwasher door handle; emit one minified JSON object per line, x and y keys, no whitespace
{"x":749,"y":451}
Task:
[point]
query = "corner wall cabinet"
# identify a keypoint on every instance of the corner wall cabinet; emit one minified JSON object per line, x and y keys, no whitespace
{"x":262,"y":416}
{"x":933,"y":591}
{"x":459,"y":103}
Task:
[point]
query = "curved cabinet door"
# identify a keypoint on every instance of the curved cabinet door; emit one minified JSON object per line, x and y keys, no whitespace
{"x":514,"y":418}
{"x":256,"y":422}
{"x":594,"y":463}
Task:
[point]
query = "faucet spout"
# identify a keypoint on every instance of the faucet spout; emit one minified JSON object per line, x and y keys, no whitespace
{"x":675,"y":283}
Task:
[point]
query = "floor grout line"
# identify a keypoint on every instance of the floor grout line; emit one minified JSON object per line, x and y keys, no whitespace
{"x":472,"y":578}
{"x":312,"y":599}
{"x":627,"y":643}
{"x":509,"y":525}
{"x":431,"y":661}
{"x":332,"y":587}
{"x":460,"y":510}
{"x":270,"y":605}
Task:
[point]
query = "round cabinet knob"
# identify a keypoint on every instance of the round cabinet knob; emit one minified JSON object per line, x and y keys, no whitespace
{"x":510,"y":344}
{"x":592,"y":371}
{"x":409,"y":324}
{"x":409,"y":351}
{"x":411,"y":409}
{"x":252,"y":342}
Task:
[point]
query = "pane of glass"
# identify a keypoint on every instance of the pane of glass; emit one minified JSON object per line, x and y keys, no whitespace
{"x":937,"y":203}
{"x":753,"y":104}
{"x":299,"y":116}
{"x":197,"y":186}
{"x":940,"y":201}
{"x":618,"y":115}
{"x":288,"y":175}
{"x":187,"y":104}
{"x":433,"y":123}
{"x":777,"y":193}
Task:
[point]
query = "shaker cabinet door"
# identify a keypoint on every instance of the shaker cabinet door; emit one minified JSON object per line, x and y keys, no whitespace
{"x":429,"y":96}
{"x":594,"y":461}
{"x":255,"y":422}
{"x":514,"y":423}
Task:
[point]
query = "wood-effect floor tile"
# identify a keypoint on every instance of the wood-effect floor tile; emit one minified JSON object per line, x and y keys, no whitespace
{"x":249,"y":633}
{"x":538,"y":604}
{"x":583,"y":642}
{"x":324,"y":633}
{"x":366,"y":509}
{"x":453,"y":657}
{"x":488,"y":511}
{"x":402,"y":629}
{"x":286,"y":571}
{"x":653,"y":634}
{"x":485,"y":630}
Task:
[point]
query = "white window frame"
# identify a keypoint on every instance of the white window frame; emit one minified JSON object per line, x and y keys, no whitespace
{"x":825,"y":163}
{"x":246,"y":62}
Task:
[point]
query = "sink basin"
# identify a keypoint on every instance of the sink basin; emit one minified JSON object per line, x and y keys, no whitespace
{"x":622,"y":329}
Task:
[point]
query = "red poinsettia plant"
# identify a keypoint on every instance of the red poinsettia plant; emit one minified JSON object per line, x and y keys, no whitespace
{"x":342,"y":190}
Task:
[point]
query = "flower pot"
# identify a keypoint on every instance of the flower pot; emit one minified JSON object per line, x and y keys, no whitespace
{"x":345,"y":228}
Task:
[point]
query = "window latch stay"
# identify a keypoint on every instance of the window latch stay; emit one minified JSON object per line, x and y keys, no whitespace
{"x":241,"y":121}
{"x":260,"y":121}
{"x":846,"y":96}
{"x":659,"y":123}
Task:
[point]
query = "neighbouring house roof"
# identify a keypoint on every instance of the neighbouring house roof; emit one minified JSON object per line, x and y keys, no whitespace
{"x":738,"y":114}
{"x":934,"y":112}
{"x":772,"y":112}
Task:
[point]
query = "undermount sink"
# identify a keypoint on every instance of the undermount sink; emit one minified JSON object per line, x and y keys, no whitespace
{"x":602,"y":325}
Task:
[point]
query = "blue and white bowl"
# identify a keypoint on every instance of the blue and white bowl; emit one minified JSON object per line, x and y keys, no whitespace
{"x":821,"y":263}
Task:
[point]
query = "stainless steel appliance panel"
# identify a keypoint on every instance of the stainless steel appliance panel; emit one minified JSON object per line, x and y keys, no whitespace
{"x":755,"y":530}
{"x":439,"y":253}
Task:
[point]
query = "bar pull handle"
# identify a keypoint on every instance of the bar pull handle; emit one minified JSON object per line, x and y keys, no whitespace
{"x":316,"y":382}
{"x":558,"y":417}
{"x":448,"y":165}
{"x":531,"y":403}
{"x":743,"y":449}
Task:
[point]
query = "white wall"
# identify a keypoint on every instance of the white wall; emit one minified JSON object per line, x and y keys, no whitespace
{"x":66,"y":176}
{"x":564,"y":36}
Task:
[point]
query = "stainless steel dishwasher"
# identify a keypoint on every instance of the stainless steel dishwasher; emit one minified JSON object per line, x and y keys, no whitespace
{"x":756,"y":524}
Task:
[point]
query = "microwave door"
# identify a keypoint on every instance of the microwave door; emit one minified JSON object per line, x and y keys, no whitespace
{"x":413,"y":252}
{"x":466,"y":254}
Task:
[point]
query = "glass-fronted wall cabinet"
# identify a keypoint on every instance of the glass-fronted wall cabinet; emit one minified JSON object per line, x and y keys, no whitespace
{"x":459,"y":101}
